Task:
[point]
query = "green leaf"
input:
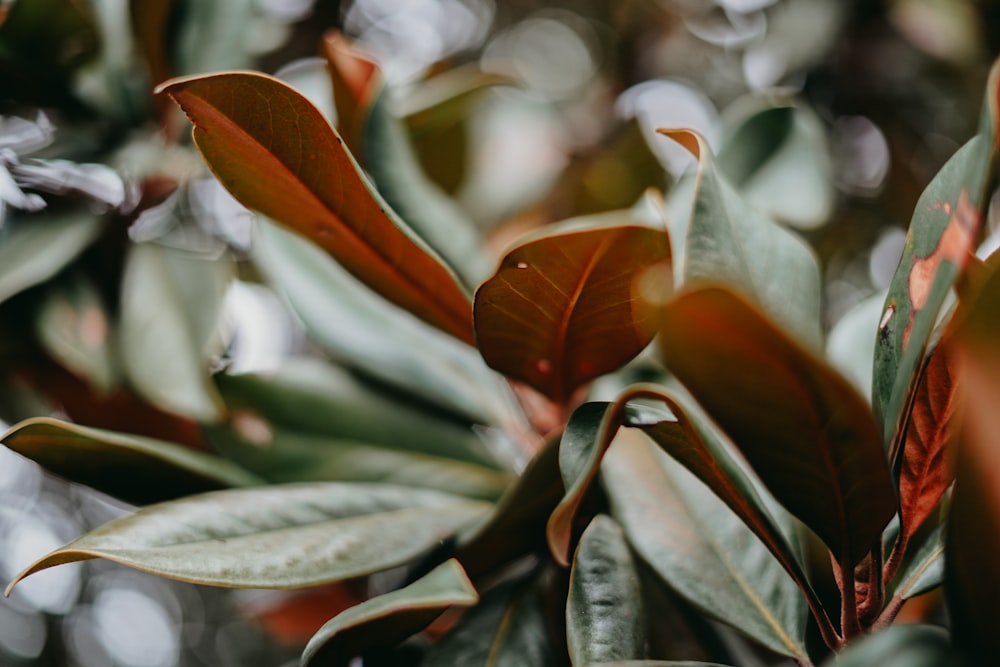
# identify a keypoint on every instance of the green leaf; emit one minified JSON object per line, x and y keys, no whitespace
{"x":566,"y":306}
{"x":655,"y":663}
{"x":946,"y":223}
{"x":731,"y":242}
{"x":899,"y":646}
{"x":506,"y":629}
{"x":806,"y":432}
{"x":390,"y":618}
{"x":298,"y":534}
{"x":214,"y":36}
{"x":850,"y":344}
{"x":312,"y":397}
{"x":380,"y":141}
{"x":38,"y":247}
{"x":73,"y":325}
{"x":923,"y":570}
{"x":47,"y":35}
{"x":605,"y":620}
{"x":170,"y":305}
{"x":135,"y":469}
{"x":277,"y":154}
{"x":371,"y":335}
{"x":701,"y":548}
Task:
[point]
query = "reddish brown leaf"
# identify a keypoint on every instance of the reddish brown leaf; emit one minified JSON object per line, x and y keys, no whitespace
{"x":277,"y":154}
{"x":357,"y":80}
{"x":565,"y":307}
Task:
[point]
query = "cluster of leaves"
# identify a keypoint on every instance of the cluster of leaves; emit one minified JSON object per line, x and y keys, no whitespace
{"x":458,"y":445}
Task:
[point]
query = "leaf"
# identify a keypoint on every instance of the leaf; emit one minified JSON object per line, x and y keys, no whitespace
{"x":47,"y":35}
{"x":924,"y":569}
{"x":276,"y":153}
{"x":133,"y":468}
{"x":565,"y":307}
{"x":605,"y":620}
{"x":506,"y":629}
{"x":379,"y":140}
{"x":899,"y":646}
{"x":655,"y":663}
{"x":373,"y":336}
{"x":731,"y":242}
{"x":700,"y":548}
{"x":72,"y":324}
{"x":299,"y":534}
{"x":390,"y":618}
{"x":170,"y":305}
{"x":941,"y":237}
{"x":37,"y":248}
{"x":806,"y":432}
{"x":314,"y":398}
{"x":213,"y":36}
{"x":850,"y":343}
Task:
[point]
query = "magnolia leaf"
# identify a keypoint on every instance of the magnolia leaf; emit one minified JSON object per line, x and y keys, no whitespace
{"x":924,"y":569}
{"x":942,"y":235}
{"x":150,"y":21}
{"x":135,"y":469}
{"x":36,"y":248}
{"x":506,"y":629}
{"x":566,"y":307}
{"x":314,"y":398}
{"x":373,"y":336}
{"x":730,"y":241}
{"x":899,"y":646}
{"x":379,"y":140}
{"x":213,"y":36}
{"x":72,"y":324}
{"x":278,"y":155}
{"x":604,"y":615}
{"x":700,"y":548}
{"x":390,"y":618}
{"x":803,"y":428}
{"x":170,"y":305}
{"x":299,"y":534}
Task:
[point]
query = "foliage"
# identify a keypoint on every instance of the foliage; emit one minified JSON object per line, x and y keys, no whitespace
{"x":627,"y":420}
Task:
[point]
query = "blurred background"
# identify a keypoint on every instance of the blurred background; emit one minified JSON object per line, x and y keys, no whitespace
{"x":559,"y":120}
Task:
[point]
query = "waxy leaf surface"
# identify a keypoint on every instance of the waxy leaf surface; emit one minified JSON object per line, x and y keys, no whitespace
{"x":900,"y":646}
{"x":278,"y":155}
{"x":803,"y":428}
{"x":566,"y":307}
{"x":135,"y":469}
{"x":300,"y":534}
{"x":391,"y":617}
{"x":605,"y":620}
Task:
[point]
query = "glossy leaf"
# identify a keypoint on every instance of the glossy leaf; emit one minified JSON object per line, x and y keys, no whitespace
{"x":806,"y":432}
{"x":605,"y":620}
{"x":135,"y":469}
{"x":506,"y":629}
{"x":924,"y":569}
{"x":899,"y":646}
{"x":301,"y":535}
{"x":277,"y":154}
{"x":379,"y":140}
{"x":392,"y":617}
{"x":35,"y":249}
{"x":373,"y":336}
{"x":312,"y":397}
{"x":700,"y":548}
{"x":729,"y":241}
{"x":73,"y":326}
{"x":566,"y":306}
{"x":941,"y":237}
{"x":170,"y":305}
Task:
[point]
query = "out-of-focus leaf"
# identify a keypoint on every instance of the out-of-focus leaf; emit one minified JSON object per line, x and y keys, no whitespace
{"x":777,"y":156}
{"x":567,"y":306}
{"x":731,"y":242}
{"x":806,"y":432}
{"x":443,"y":100}
{"x":72,"y":324}
{"x":605,"y":620}
{"x":170,"y":305}
{"x":655,"y":663}
{"x":36,"y":248}
{"x":46,"y":35}
{"x":135,"y":469}
{"x":390,"y":618}
{"x":850,"y":343}
{"x":899,"y":646}
{"x":506,"y":629}
{"x":313,"y":397}
{"x":300,"y":534}
{"x":277,"y":154}
{"x":380,"y":141}
{"x":150,"y":21}
{"x":100,"y":183}
{"x":941,"y":238}
{"x":215,"y":36}
{"x":700,"y":548}
{"x":365,"y":332}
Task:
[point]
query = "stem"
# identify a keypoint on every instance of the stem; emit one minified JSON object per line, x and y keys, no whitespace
{"x":850,"y":625}
{"x":872,"y":604}
{"x":895,"y":558}
{"x":888,"y":614}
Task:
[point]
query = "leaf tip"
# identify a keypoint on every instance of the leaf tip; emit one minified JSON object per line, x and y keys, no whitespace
{"x":687,"y":138}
